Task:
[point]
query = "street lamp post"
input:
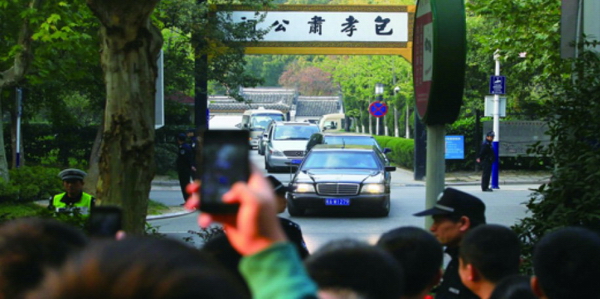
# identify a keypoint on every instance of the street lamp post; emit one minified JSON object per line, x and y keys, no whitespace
{"x":496,"y":128}
{"x":396,"y":90}
{"x":379,"y":94}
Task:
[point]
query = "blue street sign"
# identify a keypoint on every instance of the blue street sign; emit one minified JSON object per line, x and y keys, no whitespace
{"x":378,"y":108}
{"x":497,"y":85}
{"x":455,"y":147}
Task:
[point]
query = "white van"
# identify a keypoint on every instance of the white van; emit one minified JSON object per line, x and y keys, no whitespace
{"x":257,"y":120}
{"x":332,"y":122}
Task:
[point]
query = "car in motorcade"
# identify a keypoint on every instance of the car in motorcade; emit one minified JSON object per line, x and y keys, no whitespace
{"x":334,"y":121}
{"x":286,"y":143}
{"x":347,"y":138}
{"x":257,"y":120}
{"x":341,"y":177}
{"x":262,"y":139}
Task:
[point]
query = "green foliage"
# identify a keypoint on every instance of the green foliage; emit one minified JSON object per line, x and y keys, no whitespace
{"x":10,"y":211}
{"x":166,"y":153}
{"x":402,"y":150}
{"x":30,"y":183}
{"x":572,"y":197}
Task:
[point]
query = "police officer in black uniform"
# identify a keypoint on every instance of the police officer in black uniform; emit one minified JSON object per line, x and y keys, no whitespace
{"x":486,"y":158}
{"x":186,"y":166}
{"x":292,"y":229}
{"x":454,"y":214}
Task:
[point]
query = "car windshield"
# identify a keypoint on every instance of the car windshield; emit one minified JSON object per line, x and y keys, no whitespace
{"x":351,"y":140}
{"x":261,"y":121}
{"x":294,"y":132}
{"x":340,"y":159}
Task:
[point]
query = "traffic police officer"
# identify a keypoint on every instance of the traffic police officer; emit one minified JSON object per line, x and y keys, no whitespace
{"x":73,"y":198}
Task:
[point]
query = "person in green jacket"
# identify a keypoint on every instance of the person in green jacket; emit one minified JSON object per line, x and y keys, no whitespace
{"x":73,"y":198}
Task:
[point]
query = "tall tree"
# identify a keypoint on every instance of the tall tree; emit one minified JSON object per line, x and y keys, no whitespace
{"x":20,"y":57}
{"x":130,"y":46}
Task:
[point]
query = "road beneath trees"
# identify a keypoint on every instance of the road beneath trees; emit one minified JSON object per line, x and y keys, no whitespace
{"x":504,"y":206}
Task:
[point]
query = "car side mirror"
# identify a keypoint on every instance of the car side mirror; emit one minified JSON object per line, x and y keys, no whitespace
{"x":265,"y":136}
{"x":387,"y":150}
{"x":239,"y":125}
{"x":390,"y":168}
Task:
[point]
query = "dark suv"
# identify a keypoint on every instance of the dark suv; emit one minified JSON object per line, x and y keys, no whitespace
{"x":346,"y":177}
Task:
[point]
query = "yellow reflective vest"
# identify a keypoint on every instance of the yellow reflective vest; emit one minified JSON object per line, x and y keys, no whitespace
{"x":84,"y":204}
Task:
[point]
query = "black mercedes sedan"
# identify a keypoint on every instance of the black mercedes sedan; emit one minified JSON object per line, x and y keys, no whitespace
{"x":341,"y":177}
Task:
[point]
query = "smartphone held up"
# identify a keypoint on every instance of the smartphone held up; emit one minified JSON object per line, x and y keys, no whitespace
{"x":225,"y":161}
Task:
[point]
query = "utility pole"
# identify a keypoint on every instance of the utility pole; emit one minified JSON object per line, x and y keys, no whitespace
{"x":200,"y":79}
{"x":496,"y":127}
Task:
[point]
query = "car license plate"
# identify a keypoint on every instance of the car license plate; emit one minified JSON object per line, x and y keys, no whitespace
{"x":337,"y":201}
{"x":296,"y":161}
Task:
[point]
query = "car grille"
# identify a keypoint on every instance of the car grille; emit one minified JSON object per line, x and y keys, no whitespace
{"x":337,"y":189}
{"x":294,"y":153}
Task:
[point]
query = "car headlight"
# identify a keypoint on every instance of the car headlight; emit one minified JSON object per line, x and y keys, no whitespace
{"x":275,"y":152}
{"x":373,"y":188}
{"x":305,"y":188}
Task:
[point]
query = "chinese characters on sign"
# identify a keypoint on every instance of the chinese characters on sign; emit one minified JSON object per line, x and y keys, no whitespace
{"x":329,"y":26}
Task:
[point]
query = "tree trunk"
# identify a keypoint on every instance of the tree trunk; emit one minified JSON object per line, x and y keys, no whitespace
{"x":3,"y":161}
{"x":130,"y":45}
{"x":16,"y":73}
{"x":93,"y":172}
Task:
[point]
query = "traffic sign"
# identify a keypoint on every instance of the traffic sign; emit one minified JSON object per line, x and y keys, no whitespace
{"x":497,"y":84}
{"x":378,"y":109}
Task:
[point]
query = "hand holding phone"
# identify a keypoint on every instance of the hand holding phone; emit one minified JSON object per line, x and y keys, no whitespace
{"x":224,"y":161}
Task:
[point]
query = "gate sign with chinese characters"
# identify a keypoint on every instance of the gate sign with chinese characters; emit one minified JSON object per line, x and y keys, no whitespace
{"x":378,"y":109}
{"x":330,"y":29}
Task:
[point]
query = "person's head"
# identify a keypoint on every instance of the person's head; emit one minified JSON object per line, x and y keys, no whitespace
{"x":280,"y":190}
{"x":356,"y":267}
{"x":566,"y":264}
{"x":137,"y":268}
{"x":219,"y":248}
{"x":29,"y":246}
{"x":513,"y":287}
{"x":181,"y":137}
{"x":490,"y":135}
{"x":453,"y":215}
{"x":420,"y":255}
{"x":72,"y":181}
{"x":487,"y":254}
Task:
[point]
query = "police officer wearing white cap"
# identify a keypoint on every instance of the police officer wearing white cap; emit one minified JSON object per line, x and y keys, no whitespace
{"x":73,"y":198}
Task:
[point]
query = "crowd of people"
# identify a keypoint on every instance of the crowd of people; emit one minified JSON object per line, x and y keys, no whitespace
{"x":261,"y":255}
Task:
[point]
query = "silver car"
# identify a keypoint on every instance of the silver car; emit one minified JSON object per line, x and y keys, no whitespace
{"x":286,"y":144}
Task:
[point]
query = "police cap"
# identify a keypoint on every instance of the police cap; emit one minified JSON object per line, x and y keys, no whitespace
{"x":72,"y":174}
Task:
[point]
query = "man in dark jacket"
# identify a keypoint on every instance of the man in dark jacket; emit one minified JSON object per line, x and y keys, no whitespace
{"x":185,"y":164}
{"x":486,"y":158}
{"x":454,"y":214}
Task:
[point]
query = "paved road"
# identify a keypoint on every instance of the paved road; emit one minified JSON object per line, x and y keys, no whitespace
{"x":504,"y":206}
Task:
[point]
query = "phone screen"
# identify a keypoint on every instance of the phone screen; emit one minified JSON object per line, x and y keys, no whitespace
{"x":105,"y":221}
{"x":224,"y":162}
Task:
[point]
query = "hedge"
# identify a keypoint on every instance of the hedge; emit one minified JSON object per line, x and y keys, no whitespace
{"x":402,"y":150}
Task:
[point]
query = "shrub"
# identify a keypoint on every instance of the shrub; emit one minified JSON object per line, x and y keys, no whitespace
{"x":165,"y":155}
{"x":402,"y":150}
{"x":30,"y":183}
{"x":572,"y":197}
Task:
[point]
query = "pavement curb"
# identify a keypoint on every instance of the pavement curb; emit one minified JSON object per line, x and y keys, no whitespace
{"x":168,"y":215}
